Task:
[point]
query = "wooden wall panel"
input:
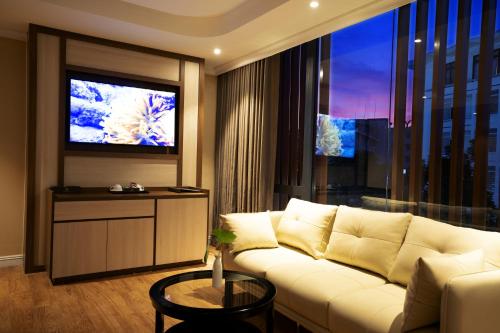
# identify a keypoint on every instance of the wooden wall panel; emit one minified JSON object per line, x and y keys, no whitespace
{"x":47,"y":110}
{"x":99,"y":171}
{"x":118,"y":60}
{"x":190,"y":130}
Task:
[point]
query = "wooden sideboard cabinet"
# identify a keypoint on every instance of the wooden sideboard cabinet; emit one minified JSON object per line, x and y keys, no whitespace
{"x":94,"y":233}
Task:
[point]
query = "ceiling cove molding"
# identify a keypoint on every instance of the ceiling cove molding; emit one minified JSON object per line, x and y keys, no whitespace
{"x":354,"y":16}
{"x":182,"y":25}
{"x":14,"y":35}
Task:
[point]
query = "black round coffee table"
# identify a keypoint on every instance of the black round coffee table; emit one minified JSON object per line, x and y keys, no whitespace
{"x":191,"y":297}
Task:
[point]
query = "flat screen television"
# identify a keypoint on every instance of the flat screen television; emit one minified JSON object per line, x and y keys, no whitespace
{"x":113,"y":114}
{"x":335,"y":136}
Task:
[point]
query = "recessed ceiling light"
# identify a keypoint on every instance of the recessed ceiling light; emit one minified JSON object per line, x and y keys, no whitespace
{"x":314,"y":4}
{"x":418,"y":40}
{"x":217,"y":51}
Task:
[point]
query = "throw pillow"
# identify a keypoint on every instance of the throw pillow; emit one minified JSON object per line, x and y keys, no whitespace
{"x":307,"y":226}
{"x":253,"y":230}
{"x":423,"y":295}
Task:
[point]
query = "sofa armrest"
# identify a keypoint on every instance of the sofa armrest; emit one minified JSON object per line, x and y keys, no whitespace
{"x":470,"y":303}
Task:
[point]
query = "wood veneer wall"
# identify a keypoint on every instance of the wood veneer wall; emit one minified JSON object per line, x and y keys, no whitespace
{"x":50,"y":52}
{"x":12,"y":147}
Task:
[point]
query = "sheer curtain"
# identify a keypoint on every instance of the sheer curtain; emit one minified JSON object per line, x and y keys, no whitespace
{"x":247,"y":113}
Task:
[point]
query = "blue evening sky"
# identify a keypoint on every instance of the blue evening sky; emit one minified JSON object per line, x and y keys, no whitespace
{"x":362,"y":60}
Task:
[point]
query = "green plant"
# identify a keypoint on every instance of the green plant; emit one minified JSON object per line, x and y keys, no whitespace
{"x":222,"y":238}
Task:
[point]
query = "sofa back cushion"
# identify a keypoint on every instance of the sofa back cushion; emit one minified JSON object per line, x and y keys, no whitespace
{"x":307,"y":226}
{"x":427,"y":238}
{"x":367,"y":239}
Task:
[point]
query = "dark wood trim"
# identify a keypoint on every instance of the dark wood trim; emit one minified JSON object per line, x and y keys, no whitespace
{"x":301,"y":148}
{"x":38,"y":268}
{"x":155,"y":223}
{"x":438,"y":85}
{"x":397,"y":179}
{"x":107,"y":219}
{"x":180,"y":264}
{"x":182,"y":67}
{"x":480,"y":182}
{"x":99,"y":275}
{"x":90,"y":153}
{"x":102,"y":194}
{"x":310,"y":107}
{"x":122,"y":75}
{"x":415,"y":186}
{"x":201,"y":125}
{"x":113,"y":43}
{"x":49,"y":250}
{"x":29,"y":265}
{"x":62,"y":111}
{"x":459,"y":108}
{"x":320,"y":176}
{"x":293,"y":117}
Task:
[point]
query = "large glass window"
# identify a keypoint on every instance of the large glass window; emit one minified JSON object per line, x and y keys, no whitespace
{"x":356,"y":130}
{"x":353,"y":137}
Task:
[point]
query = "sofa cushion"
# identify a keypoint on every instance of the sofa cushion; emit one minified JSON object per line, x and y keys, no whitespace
{"x":426,"y":238}
{"x":372,"y":310}
{"x":367,"y":239}
{"x":259,"y":261}
{"x":423,"y":297}
{"x":308,"y":286}
{"x":253,"y":230}
{"x":307,"y":226}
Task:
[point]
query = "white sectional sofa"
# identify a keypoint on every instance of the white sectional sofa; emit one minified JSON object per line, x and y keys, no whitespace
{"x":363,"y":289}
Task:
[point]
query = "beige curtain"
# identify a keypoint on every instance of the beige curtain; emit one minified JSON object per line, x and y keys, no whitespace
{"x":247,"y":113}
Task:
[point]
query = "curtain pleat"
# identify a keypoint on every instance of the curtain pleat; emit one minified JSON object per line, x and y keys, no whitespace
{"x":247,"y":113}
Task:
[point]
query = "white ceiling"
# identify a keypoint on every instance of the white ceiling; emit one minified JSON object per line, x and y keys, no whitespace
{"x":245,"y":30}
{"x":190,"y":7}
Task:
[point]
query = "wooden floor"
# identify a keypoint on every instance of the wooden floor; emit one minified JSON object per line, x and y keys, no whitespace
{"x":29,"y":303}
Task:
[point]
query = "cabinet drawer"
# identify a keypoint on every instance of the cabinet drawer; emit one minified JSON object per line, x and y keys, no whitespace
{"x":88,"y":210}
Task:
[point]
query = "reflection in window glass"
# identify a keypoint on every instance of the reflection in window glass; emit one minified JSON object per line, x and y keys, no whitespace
{"x":357,"y":127}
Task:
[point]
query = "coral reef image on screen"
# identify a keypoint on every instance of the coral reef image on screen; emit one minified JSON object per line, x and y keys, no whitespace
{"x":114,"y":114}
{"x":335,"y":136}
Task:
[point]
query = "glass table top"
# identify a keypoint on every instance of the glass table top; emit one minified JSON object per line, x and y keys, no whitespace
{"x":193,"y":290}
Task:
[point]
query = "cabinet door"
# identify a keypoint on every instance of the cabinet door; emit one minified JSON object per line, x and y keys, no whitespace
{"x":79,"y":248}
{"x":181,"y":233}
{"x":130,"y":243}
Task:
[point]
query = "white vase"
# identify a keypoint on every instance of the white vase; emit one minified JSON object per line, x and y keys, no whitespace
{"x":217,"y":272}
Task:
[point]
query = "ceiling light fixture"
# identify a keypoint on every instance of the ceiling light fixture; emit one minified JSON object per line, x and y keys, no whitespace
{"x":217,"y":51}
{"x":418,"y":40}
{"x":314,"y":4}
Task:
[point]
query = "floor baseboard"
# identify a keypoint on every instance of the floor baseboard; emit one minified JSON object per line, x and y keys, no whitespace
{"x":14,"y":260}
